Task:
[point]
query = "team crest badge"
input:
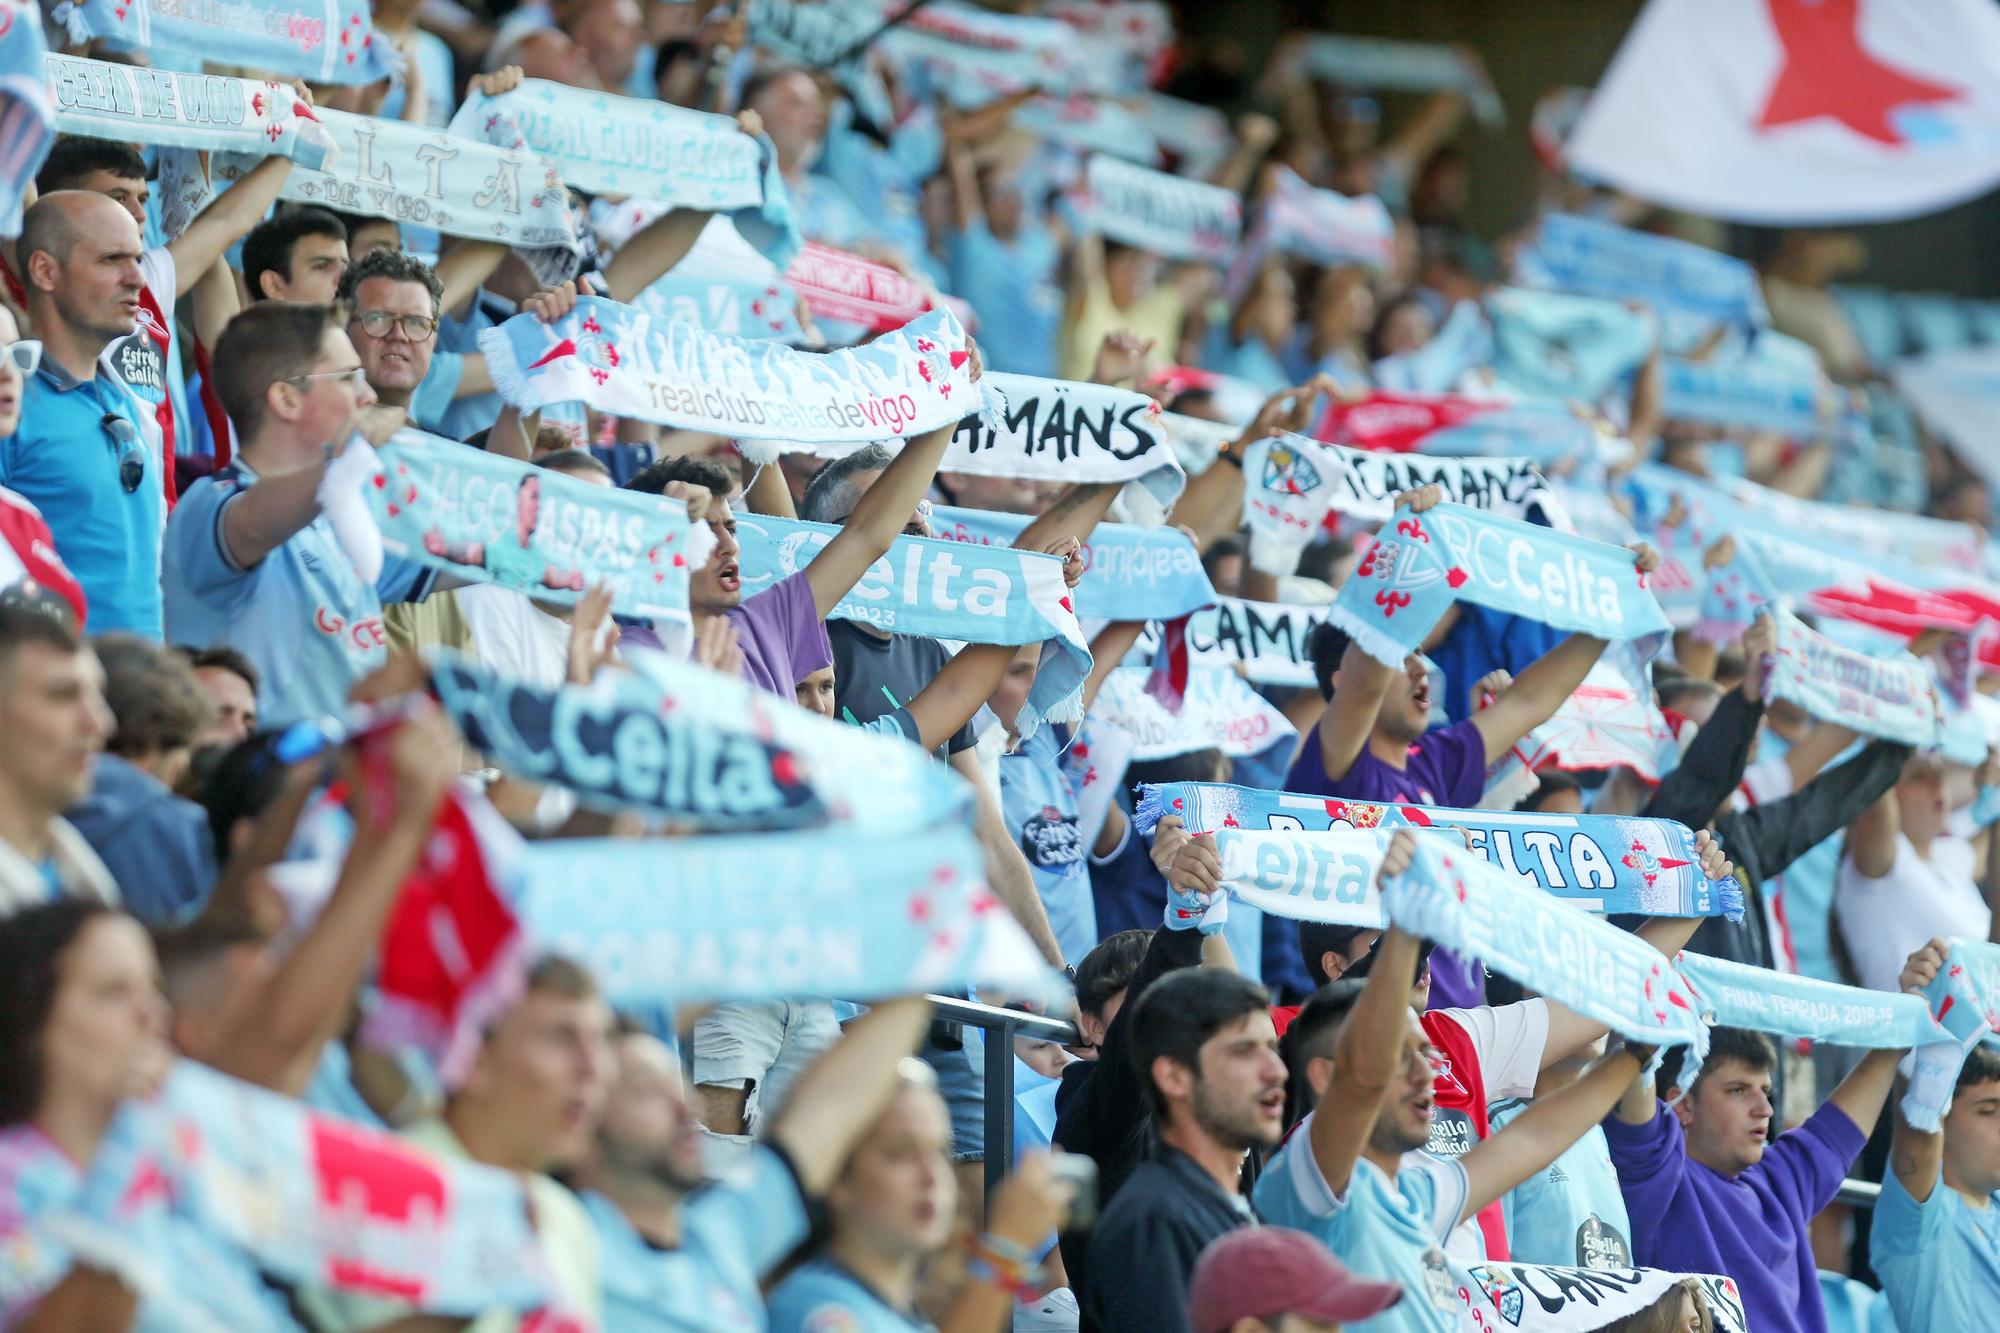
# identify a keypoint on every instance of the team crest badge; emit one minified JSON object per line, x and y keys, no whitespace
{"x":1288,"y":472}
{"x":936,"y":365}
{"x":1505,"y":1293}
{"x":1394,"y":565}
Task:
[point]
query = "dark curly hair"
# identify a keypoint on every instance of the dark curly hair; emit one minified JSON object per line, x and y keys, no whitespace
{"x":33,"y":946}
{"x":395,"y":266}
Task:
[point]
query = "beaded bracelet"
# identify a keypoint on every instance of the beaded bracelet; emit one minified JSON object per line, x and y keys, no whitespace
{"x":1001,"y":1263}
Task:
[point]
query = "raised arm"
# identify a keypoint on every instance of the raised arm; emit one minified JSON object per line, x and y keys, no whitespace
{"x":956,"y":693}
{"x":879,"y":518}
{"x":1862,"y":1093}
{"x":1783,"y":831}
{"x":654,"y":250}
{"x":1536,"y":694}
{"x":1819,"y":748}
{"x":275,"y":1042}
{"x":1007,"y":872}
{"x":463,"y":269}
{"x":1373,"y":1044}
{"x":227,"y":220}
{"x":1917,"y":1158}
{"x":845,"y":1089}
{"x":1546,"y":1129}
{"x":214,"y":301}
{"x":1714,"y":762}
{"x":259,"y":520}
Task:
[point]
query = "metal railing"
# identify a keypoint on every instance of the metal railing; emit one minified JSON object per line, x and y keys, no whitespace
{"x":999,"y":1027}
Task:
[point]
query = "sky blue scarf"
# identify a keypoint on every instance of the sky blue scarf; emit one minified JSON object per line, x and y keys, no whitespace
{"x":324,"y":43}
{"x":27,"y":111}
{"x":614,"y":746}
{"x":1964,"y":999}
{"x":102,"y":100}
{"x":1420,"y":565}
{"x":431,"y":178}
{"x":1463,"y":342}
{"x":1169,"y":215}
{"x":1592,"y":257}
{"x":491,"y":519}
{"x":1570,"y":347}
{"x":1736,"y":995}
{"x":640,"y":146}
{"x":623,"y":361}
{"x":1889,"y":697}
{"x":828,"y":912}
{"x":740,"y":306}
{"x":1413,"y":67}
{"x":1220,"y":712}
{"x":1602,"y":863}
{"x":1133,"y":573}
{"x":945,"y":590}
{"x":1746,"y":394}
{"x":1319,"y":226}
{"x":1480,"y":912}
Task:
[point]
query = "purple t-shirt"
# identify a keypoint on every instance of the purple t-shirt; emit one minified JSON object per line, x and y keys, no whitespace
{"x":782,"y":636}
{"x":1446,"y":767}
{"x":1688,"y":1219}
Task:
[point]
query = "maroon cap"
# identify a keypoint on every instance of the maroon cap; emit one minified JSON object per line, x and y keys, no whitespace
{"x":1259,"y":1272}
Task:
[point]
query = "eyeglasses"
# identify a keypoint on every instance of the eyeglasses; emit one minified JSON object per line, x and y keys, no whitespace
{"x":131,"y":458}
{"x":377,"y":323}
{"x":356,"y":377}
{"x":24,"y":355}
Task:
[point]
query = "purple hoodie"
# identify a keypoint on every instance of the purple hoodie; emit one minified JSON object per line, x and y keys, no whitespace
{"x":1687,"y":1218}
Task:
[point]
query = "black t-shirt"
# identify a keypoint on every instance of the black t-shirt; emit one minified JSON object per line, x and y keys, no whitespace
{"x":874,"y":676}
{"x":1144,"y":1247}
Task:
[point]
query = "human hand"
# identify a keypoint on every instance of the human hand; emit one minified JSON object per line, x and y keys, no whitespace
{"x":552,"y":303}
{"x":1070,"y":551}
{"x":1760,"y":643}
{"x":1120,"y":357}
{"x":700,"y":501}
{"x":377,"y":422}
{"x":1486,"y":691}
{"x":503,"y":80}
{"x":1420,"y":499}
{"x":1256,"y":131}
{"x":1644,"y":558}
{"x":593,"y":636}
{"x":1715,"y":865}
{"x":1720,"y":552}
{"x":716,"y":646}
{"x":1402,"y":850}
{"x":1186,"y":862}
{"x":1031,"y":1202}
{"x":423,"y":754}
{"x":750,"y":122}
{"x":1923,"y":966}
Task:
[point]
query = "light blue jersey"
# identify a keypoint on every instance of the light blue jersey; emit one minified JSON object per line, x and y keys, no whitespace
{"x":822,"y":1297}
{"x":1039,"y":806}
{"x":1011,"y":286}
{"x":1572,"y":1214}
{"x":1380,"y":1228}
{"x":302,"y":614}
{"x":732,"y":1233}
{"x":1939,"y":1260}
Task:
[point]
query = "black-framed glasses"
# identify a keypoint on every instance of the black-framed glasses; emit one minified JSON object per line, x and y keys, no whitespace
{"x":377,"y":323}
{"x":131,"y":458}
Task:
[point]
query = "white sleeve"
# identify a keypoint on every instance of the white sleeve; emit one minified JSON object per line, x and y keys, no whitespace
{"x":1768,"y":780}
{"x":156,"y":268}
{"x":1510,"y":1041}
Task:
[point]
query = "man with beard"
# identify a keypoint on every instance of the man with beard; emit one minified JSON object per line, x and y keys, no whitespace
{"x":1353,"y":1172}
{"x":675,"y":1258}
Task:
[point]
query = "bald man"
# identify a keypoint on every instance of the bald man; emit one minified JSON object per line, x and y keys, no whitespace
{"x":81,"y":452}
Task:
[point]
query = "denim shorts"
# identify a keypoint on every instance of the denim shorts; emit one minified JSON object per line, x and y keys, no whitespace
{"x":961,"y":1077}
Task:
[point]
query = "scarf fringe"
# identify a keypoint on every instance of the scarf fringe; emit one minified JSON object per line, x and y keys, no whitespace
{"x":1368,"y":638}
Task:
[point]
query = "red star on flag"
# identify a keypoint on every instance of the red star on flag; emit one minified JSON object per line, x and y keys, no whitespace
{"x":1828,"y":73}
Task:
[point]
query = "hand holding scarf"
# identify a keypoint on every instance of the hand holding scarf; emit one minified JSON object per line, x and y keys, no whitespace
{"x":1964,"y":999}
{"x":331,"y":42}
{"x":214,"y":112}
{"x":1152,"y":210}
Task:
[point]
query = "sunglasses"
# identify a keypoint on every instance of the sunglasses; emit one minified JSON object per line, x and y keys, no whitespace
{"x":24,"y":355}
{"x":131,"y":458}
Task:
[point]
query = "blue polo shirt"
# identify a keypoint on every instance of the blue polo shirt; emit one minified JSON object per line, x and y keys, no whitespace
{"x":732,"y":1232}
{"x":62,"y":460}
{"x":302,"y":614}
{"x":822,"y":1297}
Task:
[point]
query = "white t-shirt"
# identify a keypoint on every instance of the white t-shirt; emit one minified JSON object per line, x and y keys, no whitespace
{"x":514,"y":637}
{"x":1509,"y":1040}
{"x":1765,"y":781}
{"x":1885,"y":920}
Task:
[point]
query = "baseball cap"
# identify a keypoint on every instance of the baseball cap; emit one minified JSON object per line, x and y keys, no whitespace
{"x":1260,"y":1272}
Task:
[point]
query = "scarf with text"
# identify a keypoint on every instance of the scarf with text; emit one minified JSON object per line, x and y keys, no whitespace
{"x":1737,"y":995}
{"x":1822,"y":579}
{"x":1130,"y":572}
{"x":1750,"y":394}
{"x":323,"y":43}
{"x":1688,"y":285}
{"x":760,"y":310}
{"x":1540,"y":1298}
{"x":978,"y":54}
{"x":1366,"y":481}
{"x":1407,"y":67}
{"x":1601,"y":863}
{"x":1463,"y":342}
{"x":945,"y":590}
{"x":640,"y":146}
{"x":832,"y":37}
{"x":1268,"y":640}
{"x":213,"y":112}
{"x":841,"y":286}
{"x":627,"y":363}
{"x":1478,"y":911}
{"x":1964,"y":1000}
{"x":1169,"y":215}
{"x":1454,"y":426}
{"x":1558,"y":346}
{"x":1319,"y":226}
{"x":827,"y":912}
{"x":906,"y":788}
{"x":426,"y":177}
{"x":27,"y":111}
{"x":1888,"y":697}
{"x":1420,"y":565}
{"x":490,"y":519}
{"x":619,"y":745}
{"x":1219,"y":712}
{"x":1092,"y":124}
{"x":310,"y":1199}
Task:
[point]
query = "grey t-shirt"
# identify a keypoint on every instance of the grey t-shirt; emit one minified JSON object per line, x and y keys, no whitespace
{"x":874,"y":676}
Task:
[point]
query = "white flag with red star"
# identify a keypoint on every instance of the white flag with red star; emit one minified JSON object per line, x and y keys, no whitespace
{"x":1800,"y":111}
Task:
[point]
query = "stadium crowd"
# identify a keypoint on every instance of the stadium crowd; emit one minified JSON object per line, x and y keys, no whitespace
{"x":255,"y":821}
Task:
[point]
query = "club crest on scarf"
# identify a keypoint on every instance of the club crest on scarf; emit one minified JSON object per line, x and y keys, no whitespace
{"x":936,"y":364}
{"x":1288,"y":472}
{"x":1504,"y":1292}
{"x":1394,"y":564}
{"x":596,"y":349}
